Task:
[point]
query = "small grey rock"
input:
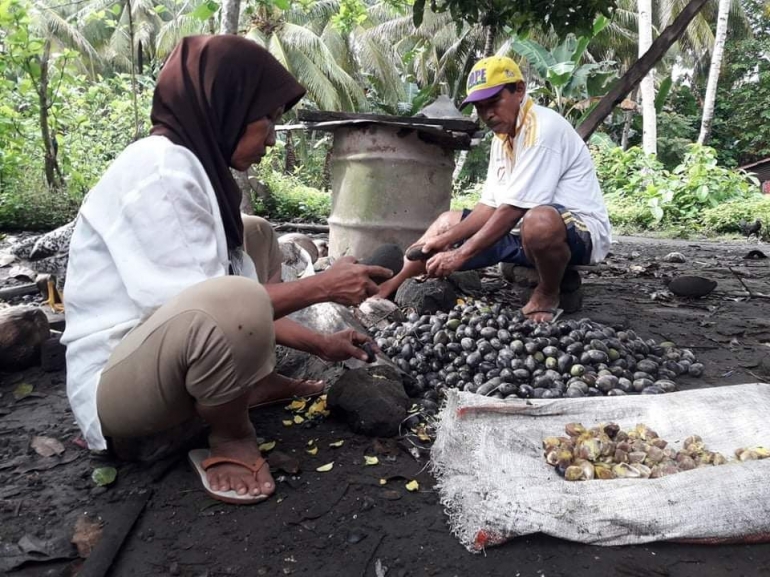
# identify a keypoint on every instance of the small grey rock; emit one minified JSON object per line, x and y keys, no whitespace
{"x":22,"y":331}
{"x":675,"y":257}
{"x":426,"y":297}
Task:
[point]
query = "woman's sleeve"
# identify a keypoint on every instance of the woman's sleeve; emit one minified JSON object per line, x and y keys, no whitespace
{"x":164,"y":239}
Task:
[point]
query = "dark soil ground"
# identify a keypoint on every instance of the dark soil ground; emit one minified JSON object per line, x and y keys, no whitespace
{"x":344,"y":522}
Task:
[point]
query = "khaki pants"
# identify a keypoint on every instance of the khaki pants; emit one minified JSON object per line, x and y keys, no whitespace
{"x":210,"y":344}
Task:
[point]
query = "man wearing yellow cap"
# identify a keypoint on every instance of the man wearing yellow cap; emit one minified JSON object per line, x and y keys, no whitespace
{"x":541,"y":205}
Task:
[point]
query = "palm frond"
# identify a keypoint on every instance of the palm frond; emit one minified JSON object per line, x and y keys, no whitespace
{"x":299,"y":39}
{"x":52,"y":25}
{"x":380,"y":63}
{"x":319,"y":88}
{"x":174,"y":30}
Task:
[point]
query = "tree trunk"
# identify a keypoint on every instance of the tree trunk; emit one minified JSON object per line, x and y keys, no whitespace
{"x":649,"y":114}
{"x":134,"y":88}
{"x":327,"y":172}
{"x":489,"y":41}
{"x":716,"y":66}
{"x":242,"y":180}
{"x":640,"y":68}
{"x":231,"y":10}
{"x":52,"y":171}
{"x":628,"y":119}
{"x":291,"y":154}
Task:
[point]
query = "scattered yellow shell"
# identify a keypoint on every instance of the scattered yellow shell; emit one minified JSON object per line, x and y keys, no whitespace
{"x":607,"y":452}
{"x":574,"y":429}
{"x":574,"y":473}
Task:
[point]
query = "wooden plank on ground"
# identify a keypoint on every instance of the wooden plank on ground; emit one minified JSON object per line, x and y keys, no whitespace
{"x":119,"y":523}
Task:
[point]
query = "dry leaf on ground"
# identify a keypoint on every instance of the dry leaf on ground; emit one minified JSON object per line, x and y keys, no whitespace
{"x":23,"y":390}
{"x":47,"y":446}
{"x":87,"y":533}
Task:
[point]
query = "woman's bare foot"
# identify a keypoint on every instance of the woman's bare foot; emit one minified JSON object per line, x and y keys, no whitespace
{"x":541,"y":302}
{"x":388,"y":288}
{"x":227,"y":476}
{"x":275,"y":387}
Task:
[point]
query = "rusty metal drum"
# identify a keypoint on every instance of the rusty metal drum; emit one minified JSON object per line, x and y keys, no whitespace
{"x":388,"y":185}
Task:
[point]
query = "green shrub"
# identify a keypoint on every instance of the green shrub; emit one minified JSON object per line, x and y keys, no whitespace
{"x":628,"y":213}
{"x":30,"y":205}
{"x":467,"y":198}
{"x":635,"y":183}
{"x":290,"y":200}
{"x":725,"y":218}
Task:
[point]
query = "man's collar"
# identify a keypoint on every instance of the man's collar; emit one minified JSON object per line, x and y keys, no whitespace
{"x":526,"y":105}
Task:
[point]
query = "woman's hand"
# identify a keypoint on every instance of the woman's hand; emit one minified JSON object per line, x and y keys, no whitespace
{"x":343,"y":345}
{"x":350,"y":284}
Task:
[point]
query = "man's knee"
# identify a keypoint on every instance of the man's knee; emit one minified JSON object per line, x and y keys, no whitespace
{"x":448,"y":219}
{"x":543,"y":225}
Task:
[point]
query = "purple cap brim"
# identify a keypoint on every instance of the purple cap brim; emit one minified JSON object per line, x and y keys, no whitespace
{"x":482,"y":94}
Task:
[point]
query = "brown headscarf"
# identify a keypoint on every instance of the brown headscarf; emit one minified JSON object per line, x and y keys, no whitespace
{"x":209,"y":90}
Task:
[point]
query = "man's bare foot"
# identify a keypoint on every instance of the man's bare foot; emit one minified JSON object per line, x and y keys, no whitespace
{"x":227,"y":476}
{"x":540,"y":302}
{"x":275,"y":387}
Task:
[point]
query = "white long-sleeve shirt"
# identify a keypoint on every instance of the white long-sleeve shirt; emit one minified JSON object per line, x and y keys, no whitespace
{"x":149,"y":229}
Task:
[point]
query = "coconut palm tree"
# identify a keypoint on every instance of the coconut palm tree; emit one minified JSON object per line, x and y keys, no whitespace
{"x":310,"y":47}
{"x":647,"y":87}
{"x":716,"y":65}
{"x":230,"y":16}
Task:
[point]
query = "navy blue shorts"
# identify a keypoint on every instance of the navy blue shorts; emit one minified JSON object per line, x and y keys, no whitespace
{"x":510,"y":249}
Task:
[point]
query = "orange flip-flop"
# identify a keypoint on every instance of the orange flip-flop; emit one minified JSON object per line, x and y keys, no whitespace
{"x":201,"y":460}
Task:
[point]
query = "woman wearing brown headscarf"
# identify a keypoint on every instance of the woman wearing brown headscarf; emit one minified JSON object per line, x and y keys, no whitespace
{"x":167,"y":319}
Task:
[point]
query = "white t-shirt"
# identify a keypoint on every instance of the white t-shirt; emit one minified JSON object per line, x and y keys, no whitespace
{"x":148,"y":230}
{"x":550,"y":164}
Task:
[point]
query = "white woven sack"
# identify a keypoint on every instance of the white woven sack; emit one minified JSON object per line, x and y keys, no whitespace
{"x":495,"y":484}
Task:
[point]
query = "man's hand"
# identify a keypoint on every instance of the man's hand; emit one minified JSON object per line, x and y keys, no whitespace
{"x":343,"y":345}
{"x":444,"y":264}
{"x":433,"y":244}
{"x":350,"y":284}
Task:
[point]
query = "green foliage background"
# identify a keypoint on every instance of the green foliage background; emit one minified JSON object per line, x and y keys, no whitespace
{"x":383,"y":63}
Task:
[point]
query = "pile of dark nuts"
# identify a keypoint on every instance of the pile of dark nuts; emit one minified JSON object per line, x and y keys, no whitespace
{"x":492,"y":350}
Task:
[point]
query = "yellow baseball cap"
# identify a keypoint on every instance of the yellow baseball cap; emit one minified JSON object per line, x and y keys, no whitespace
{"x":489,"y":76}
